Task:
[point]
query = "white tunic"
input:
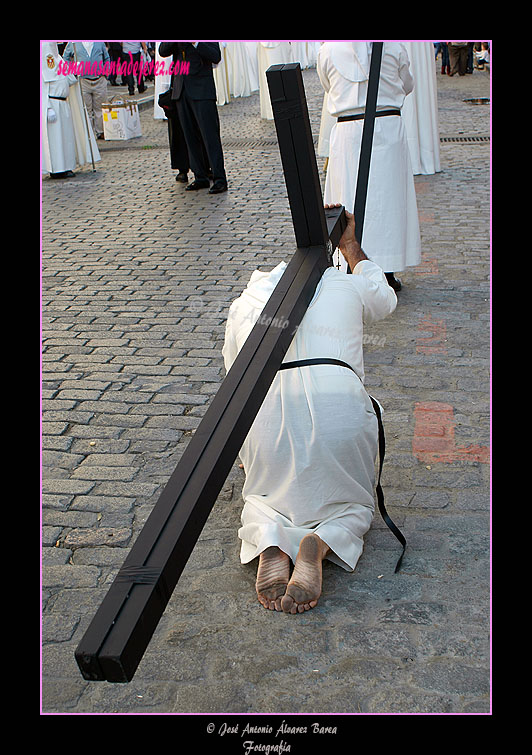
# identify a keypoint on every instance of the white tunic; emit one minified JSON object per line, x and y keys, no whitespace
{"x":221,"y":77}
{"x":61,"y":153}
{"x":68,"y":141}
{"x":309,"y":456}
{"x":161,"y":83}
{"x":420,"y":110}
{"x":269,"y":54}
{"x":242,"y":73}
{"x":391,"y":234}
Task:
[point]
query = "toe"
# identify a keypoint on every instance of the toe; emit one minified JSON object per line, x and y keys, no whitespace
{"x":287,"y":602}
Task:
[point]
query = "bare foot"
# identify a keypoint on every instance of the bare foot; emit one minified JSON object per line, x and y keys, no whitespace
{"x":304,"y":588}
{"x":272,"y":577}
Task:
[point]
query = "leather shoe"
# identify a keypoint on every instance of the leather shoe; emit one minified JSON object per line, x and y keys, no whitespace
{"x":195,"y":185}
{"x":218,"y":187}
{"x":393,"y":281}
{"x":181,"y":177}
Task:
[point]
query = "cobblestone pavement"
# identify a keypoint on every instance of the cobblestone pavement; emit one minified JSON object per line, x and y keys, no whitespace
{"x":137,"y":279}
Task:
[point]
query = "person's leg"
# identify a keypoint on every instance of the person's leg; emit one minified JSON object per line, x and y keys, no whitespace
{"x":445,"y":67}
{"x":86,"y":93}
{"x":193,"y":140}
{"x":206,"y":113}
{"x":272,"y":577}
{"x":453,"y":59}
{"x":99,"y":96}
{"x":304,"y":587}
{"x":462,"y":62}
{"x":178,"y":148}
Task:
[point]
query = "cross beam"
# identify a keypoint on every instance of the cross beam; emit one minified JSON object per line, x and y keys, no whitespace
{"x":120,"y":631}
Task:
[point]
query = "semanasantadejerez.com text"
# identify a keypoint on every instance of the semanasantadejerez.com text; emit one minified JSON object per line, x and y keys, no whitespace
{"x":123,"y":67}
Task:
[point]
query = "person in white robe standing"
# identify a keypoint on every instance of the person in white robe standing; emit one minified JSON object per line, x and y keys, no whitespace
{"x":270,"y":53}
{"x":309,"y":457}
{"x":240,"y":70}
{"x":420,"y":110}
{"x":251,"y":49}
{"x":162,"y":83}
{"x":221,"y":77}
{"x":67,"y":137}
{"x":391,"y":235}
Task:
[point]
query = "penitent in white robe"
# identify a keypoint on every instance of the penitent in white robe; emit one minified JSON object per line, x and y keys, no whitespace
{"x":221,"y":77}
{"x":60,"y":155}
{"x":269,"y":54}
{"x":242,"y":73}
{"x":309,"y":457}
{"x":67,"y":142}
{"x":420,"y":110}
{"x":391,"y":235}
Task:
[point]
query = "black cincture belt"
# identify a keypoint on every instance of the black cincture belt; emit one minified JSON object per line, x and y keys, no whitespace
{"x":360,"y":116}
{"x":51,"y":97}
{"x":380,"y":495}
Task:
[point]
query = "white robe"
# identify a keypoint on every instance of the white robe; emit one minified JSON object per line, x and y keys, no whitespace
{"x":162,"y":83}
{"x":65,"y":143}
{"x":60,"y":154}
{"x":242,"y":73}
{"x":391,"y":236}
{"x":299,"y":54}
{"x":326,"y":123}
{"x":250,"y":48}
{"x":309,"y":457}
{"x":269,"y":54}
{"x":420,"y":110}
{"x":221,"y":77}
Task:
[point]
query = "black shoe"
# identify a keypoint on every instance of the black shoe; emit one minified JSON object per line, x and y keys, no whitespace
{"x":181,"y":177}
{"x":393,"y":281}
{"x":218,"y":187}
{"x":198,"y":185}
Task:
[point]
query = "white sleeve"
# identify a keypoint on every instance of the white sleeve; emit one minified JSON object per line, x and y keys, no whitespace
{"x":405,"y":73}
{"x":378,"y":298}
{"x":322,"y":72}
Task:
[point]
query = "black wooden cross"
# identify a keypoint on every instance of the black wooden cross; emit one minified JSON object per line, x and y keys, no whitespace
{"x":123,"y":625}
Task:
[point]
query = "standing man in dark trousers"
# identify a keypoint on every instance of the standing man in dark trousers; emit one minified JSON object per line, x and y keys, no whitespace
{"x":194,"y":91}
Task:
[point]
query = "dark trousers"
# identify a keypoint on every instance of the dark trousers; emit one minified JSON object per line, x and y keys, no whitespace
{"x":458,"y":59}
{"x":129,"y":77}
{"x":202,"y":116}
{"x":115,"y":56}
{"x":178,"y":146}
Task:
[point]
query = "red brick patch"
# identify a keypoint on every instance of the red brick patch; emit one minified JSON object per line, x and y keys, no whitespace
{"x":434,"y":439}
{"x":427,"y":266}
{"x":435,"y":342}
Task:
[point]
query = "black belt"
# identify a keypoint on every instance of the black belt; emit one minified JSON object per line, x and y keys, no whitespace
{"x":51,"y":97}
{"x":380,"y":495}
{"x":360,"y":116}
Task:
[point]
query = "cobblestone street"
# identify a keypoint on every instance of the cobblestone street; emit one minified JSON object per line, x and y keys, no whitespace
{"x":137,"y":278}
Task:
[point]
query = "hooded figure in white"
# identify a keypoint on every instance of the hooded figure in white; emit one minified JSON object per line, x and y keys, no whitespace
{"x":391,"y":236}
{"x":309,"y":457}
{"x":64,"y":130}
